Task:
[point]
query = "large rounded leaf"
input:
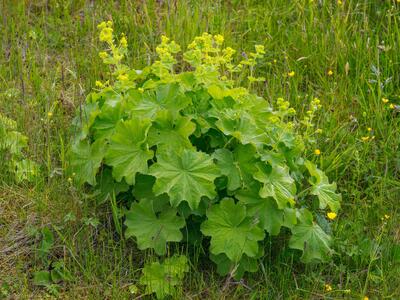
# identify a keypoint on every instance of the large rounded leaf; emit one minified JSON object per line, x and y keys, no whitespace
{"x":310,"y":238}
{"x":232,"y":231}
{"x":277,"y":184}
{"x":150,"y":230}
{"x":185,"y":176}
{"x":128,"y":152}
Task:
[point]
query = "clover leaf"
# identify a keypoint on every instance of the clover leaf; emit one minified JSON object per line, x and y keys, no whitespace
{"x":232,"y":232}
{"x":128,"y":152}
{"x":153,"y":230}
{"x":323,"y":189}
{"x":185,"y":176}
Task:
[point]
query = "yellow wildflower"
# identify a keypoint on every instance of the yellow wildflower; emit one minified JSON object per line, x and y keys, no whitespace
{"x":291,"y":73}
{"x":386,"y":217}
{"x":102,"y":25}
{"x":99,"y":84}
{"x":123,"y":42}
{"x":328,"y":287}
{"x":391,"y":105}
{"x":317,"y":152}
{"x":219,"y":39}
{"x":365,"y":138}
{"x":385,"y":100}
{"x":106,"y":35}
{"x":331,"y":215}
{"x":369,"y":129}
{"x":49,"y":114}
{"x":69,"y":179}
{"x":109,"y":23}
{"x":330,"y":73}
{"x":260,"y":49}
{"x":122,"y":77}
{"x":339,"y":2}
{"x":103,"y":55}
{"x":275,"y":61}
{"x":365,"y":298}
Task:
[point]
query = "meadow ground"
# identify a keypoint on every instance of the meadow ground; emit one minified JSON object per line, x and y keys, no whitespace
{"x":346,"y":53}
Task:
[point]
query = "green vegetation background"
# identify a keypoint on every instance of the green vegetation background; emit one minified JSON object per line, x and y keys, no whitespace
{"x":49,"y":62}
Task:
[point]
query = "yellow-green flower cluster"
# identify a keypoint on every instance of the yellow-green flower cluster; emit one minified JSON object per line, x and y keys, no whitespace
{"x":284,"y":108}
{"x":114,"y":54}
{"x":166,"y":52}
{"x":314,"y":106}
{"x":106,"y":32}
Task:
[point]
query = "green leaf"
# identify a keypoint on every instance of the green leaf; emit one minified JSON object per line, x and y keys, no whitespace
{"x":169,"y":131}
{"x":228,"y":167}
{"x":231,"y":231}
{"x":216,"y":91}
{"x":241,"y":126}
{"x":277,"y":184}
{"x":86,"y":160}
{"x":162,"y":279}
{"x":185,"y":176}
{"x":244,"y":157}
{"x":14,"y":142}
{"x":107,"y":186}
{"x":143,"y":190}
{"x":166,"y":97}
{"x":323,"y":189}
{"x":26,"y":170}
{"x":85,"y":118}
{"x":264,"y":209}
{"x":106,"y":122}
{"x":42,"y":278}
{"x":153,"y":230}
{"x":128,"y":152}
{"x":225,"y":266}
{"x":310,"y":238}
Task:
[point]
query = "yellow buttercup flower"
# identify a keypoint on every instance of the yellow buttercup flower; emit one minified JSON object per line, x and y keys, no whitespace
{"x":387,"y":217}
{"x":317,"y":152}
{"x":330,"y":73}
{"x":328,"y":287}
{"x":365,"y":298}
{"x":391,"y":106}
{"x":49,"y":114}
{"x":365,"y":138}
{"x":385,"y":100}
{"x":99,"y":84}
{"x":291,"y":74}
{"x":331,"y":215}
{"x":369,"y":129}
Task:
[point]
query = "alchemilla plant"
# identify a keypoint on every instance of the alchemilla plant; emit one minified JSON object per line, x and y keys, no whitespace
{"x":195,"y":158}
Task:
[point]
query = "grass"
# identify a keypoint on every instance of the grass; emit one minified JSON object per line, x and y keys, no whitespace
{"x":49,"y":62}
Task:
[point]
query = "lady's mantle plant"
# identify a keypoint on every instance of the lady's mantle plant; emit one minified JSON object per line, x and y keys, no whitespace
{"x":12,"y":146}
{"x":198,"y":158}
